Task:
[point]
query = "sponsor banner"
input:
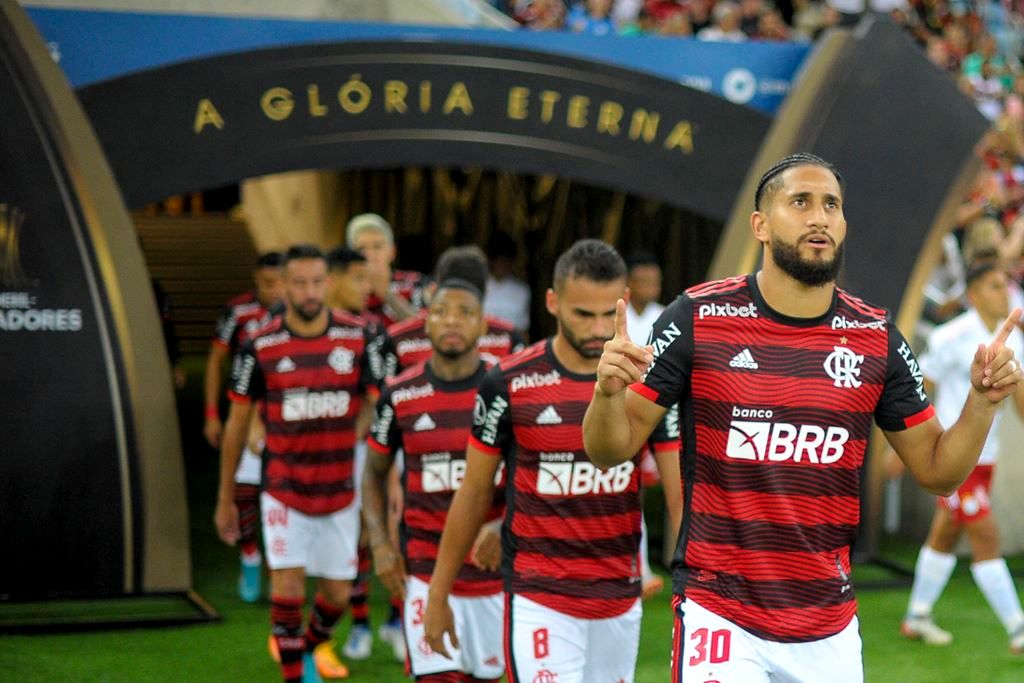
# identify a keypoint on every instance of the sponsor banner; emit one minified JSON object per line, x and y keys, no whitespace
{"x":218,"y":120}
{"x":94,"y":46}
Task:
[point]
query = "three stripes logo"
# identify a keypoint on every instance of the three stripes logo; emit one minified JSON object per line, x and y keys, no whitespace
{"x":743,"y":360}
{"x":549,"y":416}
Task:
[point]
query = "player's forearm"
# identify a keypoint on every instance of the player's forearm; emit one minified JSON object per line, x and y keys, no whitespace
{"x":401,"y":308}
{"x":235,"y":434}
{"x":374,"y":489}
{"x":465,"y":517}
{"x":958,"y":448}
{"x":607,"y":434}
{"x":212,"y":379}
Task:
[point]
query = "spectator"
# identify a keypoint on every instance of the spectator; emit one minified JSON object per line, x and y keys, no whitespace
{"x":770,"y":26}
{"x":750,"y":16}
{"x":591,"y":17}
{"x":726,"y":26}
{"x":700,"y":14}
{"x":540,"y":15}
{"x":644,"y":282}
{"x":507,"y":296}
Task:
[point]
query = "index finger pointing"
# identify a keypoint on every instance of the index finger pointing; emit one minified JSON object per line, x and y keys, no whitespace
{"x":620,"y":320}
{"x":1004,"y":331}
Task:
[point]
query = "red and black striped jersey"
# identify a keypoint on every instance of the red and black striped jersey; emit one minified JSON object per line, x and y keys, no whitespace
{"x":241,"y":314}
{"x":776,"y":413}
{"x":407,"y":284}
{"x":429,"y":419}
{"x":312,"y":389}
{"x":407,"y":343}
{"x":571,"y":536}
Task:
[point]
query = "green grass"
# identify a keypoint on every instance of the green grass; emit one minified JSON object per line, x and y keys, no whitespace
{"x":235,"y":649}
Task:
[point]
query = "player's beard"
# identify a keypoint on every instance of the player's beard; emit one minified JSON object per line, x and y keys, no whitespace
{"x":581,"y":344}
{"x":451,"y":352}
{"x":811,"y":272}
{"x":307,"y":312}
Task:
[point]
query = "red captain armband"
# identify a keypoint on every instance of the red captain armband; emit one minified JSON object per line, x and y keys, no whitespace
{"x":645,"y":391}
{"x":481,"y":446}
{"x":917,"y":418}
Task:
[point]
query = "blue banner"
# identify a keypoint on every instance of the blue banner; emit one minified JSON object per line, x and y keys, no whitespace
{"x":93,"y":46}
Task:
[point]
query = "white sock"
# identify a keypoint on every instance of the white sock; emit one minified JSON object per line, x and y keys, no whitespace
{"x":930,"y":578}
{"x":994,"y":580}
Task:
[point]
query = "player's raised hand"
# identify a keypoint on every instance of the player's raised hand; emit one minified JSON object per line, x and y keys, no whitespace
{"x":623,"y":362}
{"x":437,"y":621}
{"x":995,"y":373}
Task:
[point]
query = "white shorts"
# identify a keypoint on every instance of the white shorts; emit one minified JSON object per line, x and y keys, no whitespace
{"x":481,"y":652}
{"x":707,"y":647}
{"x":547,"y":645}
{"x":250,"y":468}
{"x":325,"y":545}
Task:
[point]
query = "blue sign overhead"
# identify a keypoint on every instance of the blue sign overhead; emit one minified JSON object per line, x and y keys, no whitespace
{"x":93,"y":46}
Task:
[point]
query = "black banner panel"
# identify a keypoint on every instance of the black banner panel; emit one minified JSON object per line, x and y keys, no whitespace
{"x":80,"y":352}
{"x":63,"y":453}
{"x":393,"y":104}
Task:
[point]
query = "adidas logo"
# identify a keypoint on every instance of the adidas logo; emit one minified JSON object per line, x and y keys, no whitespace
{"x":743,"y":360}
{"x":492,"y":661}
{"x":286,"y":364}
{"x":549,"y":416}
{"x":424,"y":424}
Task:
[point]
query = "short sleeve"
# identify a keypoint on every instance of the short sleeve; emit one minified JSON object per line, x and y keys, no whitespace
{"x":371,"y":378}
{"x":247,"y":381}
{"x":492,"y":426}
{"x":389,"y":356}
{"x":665,"y":436}
{"x":227,"y":325}
{"x":385,"y":437}
{"x":672,"y":339}
{"x":516,"y":342}
{"x":903,"y":403}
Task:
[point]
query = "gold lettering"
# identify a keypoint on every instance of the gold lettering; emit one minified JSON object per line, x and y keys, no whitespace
{"x":277,"y":103}
{"x":608,"y":118}
{"x":681,"y":137}
{"x":518,"y":99}
{"x":315,"y":108}
{"x":576,"y":115}
{"x":206,"y":115}
{"x":394,"y":96}
{"x":547,"y":104}
{"x":644,"y":125}
{"x":458,"y":98}
{"x":424,"y":96}
{"x":354,"y":96}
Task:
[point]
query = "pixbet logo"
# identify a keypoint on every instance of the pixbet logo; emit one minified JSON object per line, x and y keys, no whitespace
{"x":534,"y":381}
{"x":781,"y":441}
{"x":726,"y":310}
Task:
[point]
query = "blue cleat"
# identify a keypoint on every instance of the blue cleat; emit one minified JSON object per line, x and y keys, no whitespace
{"x":249,"y":580}
{"x":309,"y":672}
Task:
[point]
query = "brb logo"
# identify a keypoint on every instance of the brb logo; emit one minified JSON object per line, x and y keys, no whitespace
{"x":300,"y":404}
{"x":442,"y":473}
{"x":580,"y":478}
{"x":781,"y":441}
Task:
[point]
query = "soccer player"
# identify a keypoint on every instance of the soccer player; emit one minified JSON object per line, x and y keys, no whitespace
{"x":427,"y":411}
{"x":946,"y":368}
{"x":407,"y":342}
{"x":241,"y":316}
{"x":778,"y":375}
{"x":396,"y":294}
{"x":571,"y":535}
{"x":311,"y":369}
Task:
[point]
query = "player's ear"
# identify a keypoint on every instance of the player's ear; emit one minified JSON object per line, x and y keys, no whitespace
{"x":551,"y":302}
{"x":758,"y":225}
